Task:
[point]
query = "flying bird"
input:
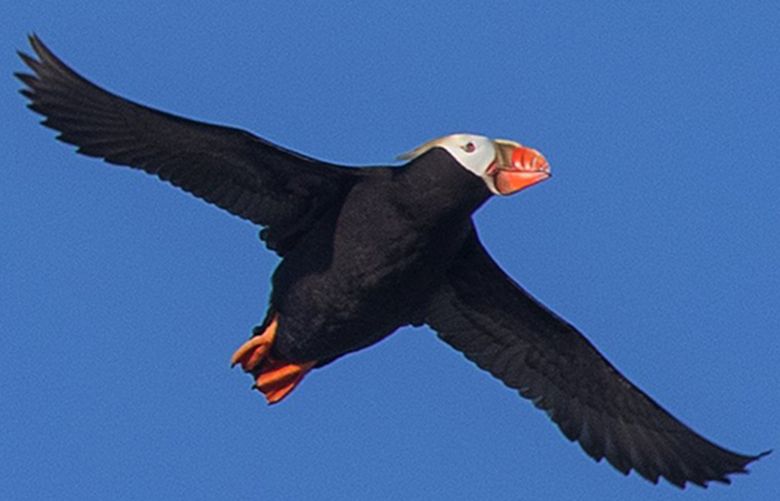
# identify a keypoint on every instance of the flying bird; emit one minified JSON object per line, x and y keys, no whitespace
{"x":367,"y":250}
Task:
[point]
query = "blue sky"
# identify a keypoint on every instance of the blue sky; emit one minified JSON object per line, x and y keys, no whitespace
{"x":122,"y":298}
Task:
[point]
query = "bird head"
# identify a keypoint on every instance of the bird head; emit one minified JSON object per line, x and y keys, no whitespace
{"x":505,"y":166}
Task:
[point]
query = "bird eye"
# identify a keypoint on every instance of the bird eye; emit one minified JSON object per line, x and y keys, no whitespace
{"x":469,"y":147}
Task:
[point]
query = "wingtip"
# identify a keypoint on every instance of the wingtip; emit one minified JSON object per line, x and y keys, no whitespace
{"x":22,"y":76}
{"x":34,"y":41}
{"x":41,"y":49}
{"x":759,"y":456}
{"x":725,"y":479}
{"x":27,"y":59}
{"x":747,"y":460}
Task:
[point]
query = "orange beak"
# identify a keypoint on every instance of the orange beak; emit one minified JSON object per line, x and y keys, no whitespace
{"x":517,"y":167}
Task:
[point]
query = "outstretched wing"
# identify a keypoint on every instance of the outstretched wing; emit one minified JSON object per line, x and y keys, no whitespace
{"x":481,"y":312}
{"x":231,"y":168}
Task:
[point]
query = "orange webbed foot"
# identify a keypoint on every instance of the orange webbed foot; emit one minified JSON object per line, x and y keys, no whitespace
{"x":278,"y":379}
{"x":273,"y":378}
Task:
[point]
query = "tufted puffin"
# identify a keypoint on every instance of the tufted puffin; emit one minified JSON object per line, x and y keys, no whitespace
{"x":368,"y":250}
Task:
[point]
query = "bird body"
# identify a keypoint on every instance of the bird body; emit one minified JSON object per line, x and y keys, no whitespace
{"x":370,"y":266}
{"x":368,"y":250}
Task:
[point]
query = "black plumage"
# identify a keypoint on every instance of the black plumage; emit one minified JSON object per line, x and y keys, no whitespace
{"x":368,"y":250}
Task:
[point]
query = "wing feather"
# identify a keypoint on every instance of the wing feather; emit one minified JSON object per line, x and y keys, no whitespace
{"x":481,"y":312}
{"x":231,"y":168}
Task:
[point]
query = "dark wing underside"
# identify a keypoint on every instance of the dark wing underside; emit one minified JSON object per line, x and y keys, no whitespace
{"x":228,"y":167}
{"x":481,"y":312}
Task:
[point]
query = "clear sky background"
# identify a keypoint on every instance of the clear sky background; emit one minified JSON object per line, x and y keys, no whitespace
{"x":122,"y":299}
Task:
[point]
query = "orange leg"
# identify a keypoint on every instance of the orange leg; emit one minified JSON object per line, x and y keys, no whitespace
{"x":274,"y":378}
{"x":252,"y":353}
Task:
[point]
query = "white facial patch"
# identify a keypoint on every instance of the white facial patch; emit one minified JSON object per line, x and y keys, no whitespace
{"x":474,"y":153}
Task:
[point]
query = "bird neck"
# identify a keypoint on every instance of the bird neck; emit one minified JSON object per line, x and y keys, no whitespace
{"x":435,"y":187}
